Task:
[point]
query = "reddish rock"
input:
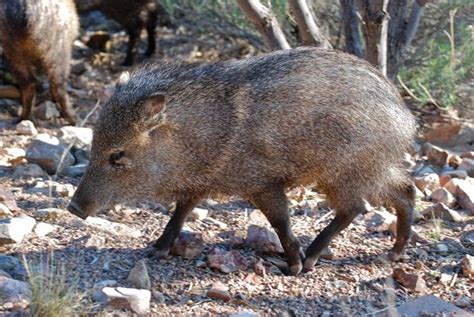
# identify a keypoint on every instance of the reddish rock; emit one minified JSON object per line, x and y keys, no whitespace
{"x":441,"y":211}
{"x":465,"y":195}
{"x":435,"y":154}
{"x":469,"y":154}
{"x":452,"y":185}
{"x":411,"y":281}
{"x":429,"y":181}
{"x":219,"y":291}
{"x":454,"y":160}
{"x":442,"y":195}
{"x":8,"y":199}
{"x":467,"y":165}
{"x":451,"y":134}
{"x":226,"y":261}
{"x":188,"y":245}
{"x":263,"y":239}
{"x":259,"y":268}
{"x":468,"y":265}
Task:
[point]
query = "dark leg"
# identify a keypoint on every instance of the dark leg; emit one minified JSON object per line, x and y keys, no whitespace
{"x":344,"y":217}
{"x":173,"y":228}
{"x":404,"y":204}
{"x":28,"y":97}
{"x":59,"y":94}
{"x":133,"y":37}
{"x":151,"y":31}
{"x":274,"y":205}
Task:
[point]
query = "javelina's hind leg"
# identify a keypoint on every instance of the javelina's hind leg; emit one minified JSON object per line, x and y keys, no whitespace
{"x":344,"y":216}
{"x":59,"y":94}
{"x":26,"y":81}
{"x":403,"y":200}
{"x":184,"y":206}
{"x":274,"y":205}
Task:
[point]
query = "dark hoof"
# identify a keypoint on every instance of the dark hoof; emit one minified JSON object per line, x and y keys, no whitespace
{"x":309,"y":263}
{"x":396,"y":257}
{"x":153,"y":252}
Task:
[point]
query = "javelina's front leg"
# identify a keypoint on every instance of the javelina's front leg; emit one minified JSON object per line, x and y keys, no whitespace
{"x":183,"y":207}
{"x":274,"y":205}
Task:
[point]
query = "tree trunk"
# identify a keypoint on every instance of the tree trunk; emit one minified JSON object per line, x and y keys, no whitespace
{"x":263,"y":18}
{"x":375,"y":25}
{"x":401,"y":32}
{"x":350,"y":21}
{"x":309,"y":31}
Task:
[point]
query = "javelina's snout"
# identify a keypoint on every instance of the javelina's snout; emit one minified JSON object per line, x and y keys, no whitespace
{"x":76,"y":210}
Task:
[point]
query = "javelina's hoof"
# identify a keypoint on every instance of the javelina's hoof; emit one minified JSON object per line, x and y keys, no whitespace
{"x":153,"y":252}
{"x":395,"y":256}
{"x":309,"y":263}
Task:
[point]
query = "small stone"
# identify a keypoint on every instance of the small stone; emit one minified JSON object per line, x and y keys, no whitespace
{"x":219,"y":291}
{"x":139,"y":276}
{"x":13,"y":230}
{"x":5,"y":212}
{"x":99,"y":296}
{"x":42,"y":229}
{"x":8,"y":199}
{"x":412,"y":281}
{"x":15,"y":154}
{"x":226,"y":261}
{"x":259,"y":268}
{"x":465,"y":195}
{"x":14,"y":291}
{"x":76,"y":170}
{"x":445,"y":278}
{"x":441,"y":211}
{"x":64,"y":190}
{"x":215,"y":222}
{"x":453,"y":174}
{"x":49,"y":156}
{"x":468,"y":265}
{"x":258,"y":218}
{"x":188,"y":245}
{"x":28,"y":170}
{"x":138,"y":300}
{"x":114,"y":228}
{"x":79,"y":137}
{"x":26,"y":127}
{"x":467,"y":165}
{"x":441,"y":248}
{"x":454,"y":160}
{"x":13,"y":267}
{"x":198,"y":214}
{"x":429,"y":181}
{"x":46,"y":111}
{"x":49,"y":214}
{"x":435,"y":154}
{"x":379,"y":220}
{"x":442,"y":195}
{"x":95,"y":242}
{"x":263,"y":239}
{"x":244,"y":313}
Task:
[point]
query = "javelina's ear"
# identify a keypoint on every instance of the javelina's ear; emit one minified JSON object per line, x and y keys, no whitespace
{"x":152,"y":108}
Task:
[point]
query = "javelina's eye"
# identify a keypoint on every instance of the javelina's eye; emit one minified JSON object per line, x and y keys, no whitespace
{"x":115,"y":158}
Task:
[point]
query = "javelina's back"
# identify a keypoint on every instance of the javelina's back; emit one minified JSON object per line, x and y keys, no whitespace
{"x":37,"y":35}
{"x":255,"y":128}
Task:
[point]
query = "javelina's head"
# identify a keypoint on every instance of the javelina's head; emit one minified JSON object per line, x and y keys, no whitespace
{"x":131,"y":138}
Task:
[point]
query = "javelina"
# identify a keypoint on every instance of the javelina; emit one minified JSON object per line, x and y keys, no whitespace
{"x":133,"y":16}
{"x":255,"y":128}
{"x":38,"y":35}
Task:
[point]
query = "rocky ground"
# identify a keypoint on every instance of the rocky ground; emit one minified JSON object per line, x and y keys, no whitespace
{"x":228,"y":260}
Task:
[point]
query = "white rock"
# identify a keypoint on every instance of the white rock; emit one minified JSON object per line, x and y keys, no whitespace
{"x":26,"y":127}
{"x":429,"y":181}
{"x":198,"y":214}
{"x":42,"y":229}
{"x":465,"y":195}
{"x":379,"y":220}
{"x":138,"y":300}
{"x":442,"y":195}
{"x":113,"y":227}
{"x":468,"y":265}
{"x":5,"y":211}
{"x":49,"y":214}
{"x":244,"y":313}
{"x":15,"y":153}
{"x":46,"y":138}
{"x":13,"y":230}
{"x":78,"y":136}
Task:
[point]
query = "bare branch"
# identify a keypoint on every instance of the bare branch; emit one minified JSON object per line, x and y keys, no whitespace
{"x":309,"y":31}
{"x":263,"y":18}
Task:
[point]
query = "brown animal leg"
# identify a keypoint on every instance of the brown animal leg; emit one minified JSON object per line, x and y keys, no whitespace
{"x":133,"y":37}
{"x":274,"y":204}
{"x":26,"y":81}
{"x":173,"y":228}
{"x":151,"y":31}
{"x":343,"y":218}
{"x":404,"y":204}
{"x":59,"y":95}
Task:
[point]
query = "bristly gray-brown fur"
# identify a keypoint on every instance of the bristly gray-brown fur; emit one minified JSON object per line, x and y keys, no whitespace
{"x":255,"y":128}
{"x":37,"y":35}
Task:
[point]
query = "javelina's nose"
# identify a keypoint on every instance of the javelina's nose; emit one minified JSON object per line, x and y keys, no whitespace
{"x":76,"y":210}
